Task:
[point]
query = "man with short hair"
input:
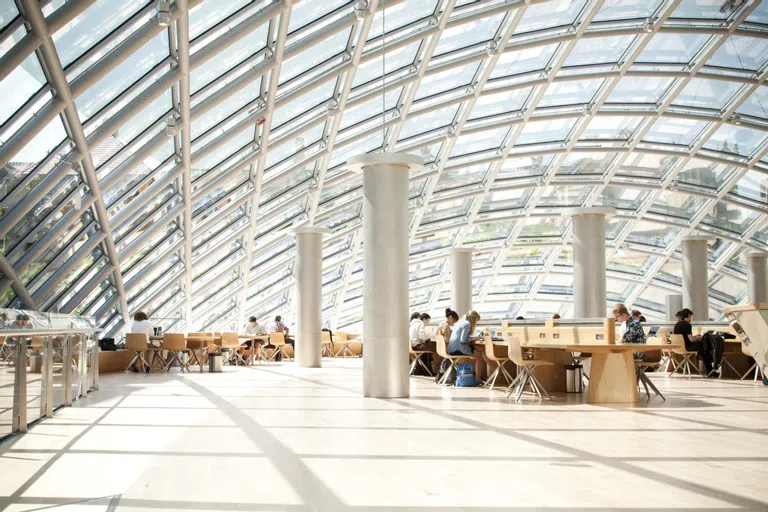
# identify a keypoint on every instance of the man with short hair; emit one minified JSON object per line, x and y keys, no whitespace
{"x":692,"y":342}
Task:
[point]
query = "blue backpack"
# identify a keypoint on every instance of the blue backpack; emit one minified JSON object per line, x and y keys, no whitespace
{"x":465,"y":377}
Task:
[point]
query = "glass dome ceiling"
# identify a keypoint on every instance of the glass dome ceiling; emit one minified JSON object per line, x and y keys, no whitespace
{"x":154,"y":152}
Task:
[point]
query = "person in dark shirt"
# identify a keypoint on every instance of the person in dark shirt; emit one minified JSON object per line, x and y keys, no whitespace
{"x":692,"y":342}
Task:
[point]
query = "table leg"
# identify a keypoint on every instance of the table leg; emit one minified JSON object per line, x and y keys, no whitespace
{"x":612,"y":378}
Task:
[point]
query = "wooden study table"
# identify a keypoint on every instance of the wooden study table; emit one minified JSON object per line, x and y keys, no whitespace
{"x":260,"y":337}
{"x":204,"y":342}
{"x":612,"y":377}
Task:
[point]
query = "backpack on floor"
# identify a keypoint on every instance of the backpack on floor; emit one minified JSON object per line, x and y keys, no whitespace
{"x":444,"y":367}
{"x":466,"y":376}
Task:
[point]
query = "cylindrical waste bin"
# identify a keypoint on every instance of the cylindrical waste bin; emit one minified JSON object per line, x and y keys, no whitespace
{"x":574,"y":382}
{"x":36,"y":362}
{"x":215,"y":363}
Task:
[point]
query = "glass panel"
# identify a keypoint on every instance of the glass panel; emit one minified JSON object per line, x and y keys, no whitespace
{"x":446,"y":80}
{"x":304,"y":13}
{"x":702,"y":93}
{"x":467,"y":34}
{"x":523,"y":61}
{"x":741,"y":52}
{"x":85,"y":30}
{"x":123,"y":76}
{"x":8,"y":12}
{"x":754,"y":186}
{"x":368,"y":109}
{"x":675,"y":131}
{"x":401,"y":14}
{"x":632,"y":89}
{"x":645,"y":165}
{"x":471,"y":143}
{"x":626,"y":9}
{"x":611,"y":127}
{"x":396,"y":59}
{"x":731,"y":218}
{"x":452,"y":178}
{"x":19,"y":86}
{"x":564,"y":196}
{"x":623,"y":198}
{"x":235,"y":55}
{"x":756,"y":104}
{"x":598,"y":50}
{"x":736,"y":140}
{"x":545,"y":131}
{"x":314,"y":55}
{"x":672,"y":48}
{"x":207,"y":14}
{"x":705,"y":174}
{"x":572,"y":92}
{"x":550,"y":14}
{"x":674,"y":204}
{"x":423,"y":123}
{"x":522,"y":167}
{"x":654,"y":235}
{"x":492,"y":104}
{"x":586,"y":163}
{"x":35,"y":151}
{"x":704,"y":9}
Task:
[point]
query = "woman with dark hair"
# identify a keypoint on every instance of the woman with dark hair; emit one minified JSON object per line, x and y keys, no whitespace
{"x":451,"y":317}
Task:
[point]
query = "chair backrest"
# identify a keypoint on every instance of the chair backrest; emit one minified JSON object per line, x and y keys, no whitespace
{"x":175,"y":342}
{"x":745,"y":350}
{"x":488,"y":345}
{"x":442,"y":350}
{"x":652,"y":356}
{"x":230,"y":340}
{"x":514,"y":351}
{"x":340,"y":336}
{"x":325,"y":337}
{"x":276,"y":338}
{"x":136,"y":341}
{"x":677,"y":339}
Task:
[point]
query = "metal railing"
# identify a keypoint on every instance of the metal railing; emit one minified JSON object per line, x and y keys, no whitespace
{"x":67,"y":360}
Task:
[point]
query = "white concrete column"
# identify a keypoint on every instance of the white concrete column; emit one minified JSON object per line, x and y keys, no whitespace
{"x":385,"y":271}
{"x":309,"y":302}
{"x":695,"y":276}
{"x":461,"y":280}
{"x":674,"y":304}
{"x":757,"y":277}
{"x":589,"y":261}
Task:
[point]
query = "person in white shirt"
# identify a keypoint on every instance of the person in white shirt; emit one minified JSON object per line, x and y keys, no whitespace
{"x":141,"y":325}
{"x":420,"y":339}
{"x":255,"y":328}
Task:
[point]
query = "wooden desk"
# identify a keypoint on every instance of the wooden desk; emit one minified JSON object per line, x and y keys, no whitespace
{"x":612,"y":376}
{"x":204,"y":342}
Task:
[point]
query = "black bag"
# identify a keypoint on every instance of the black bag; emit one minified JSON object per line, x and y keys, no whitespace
{"x":107,"y":344}
{"x":444,"y":367}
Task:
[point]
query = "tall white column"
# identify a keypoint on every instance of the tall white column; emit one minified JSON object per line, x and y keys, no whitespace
{"x":385,"y":271}
{"x":695,"y":276}
{"x":674,"y":304}
{"x":589,"y":261}
{"x":309,"y":302}
{"x":757,"y":277}
{"x":461,"y":280}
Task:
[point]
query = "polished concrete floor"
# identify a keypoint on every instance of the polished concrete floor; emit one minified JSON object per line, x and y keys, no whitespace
{"x":278,"y":438}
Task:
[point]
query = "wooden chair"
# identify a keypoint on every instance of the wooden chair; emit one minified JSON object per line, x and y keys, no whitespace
{"x":341,"y":337}
{"x":525,"y":371}
{"x":231,"y":343}
{"x":500,"y":362}
{"x":137,"y":343}
{"x":5,"y":350}
{"x":327,"y":350}
{"x":442,"y":351}
{"x":203,"y":346}
{"x":686,"y":364}
{"x":755,"y":366}
{"x":278,"y":340}
{"x":417,"y":359}
{"x":176,"y":344}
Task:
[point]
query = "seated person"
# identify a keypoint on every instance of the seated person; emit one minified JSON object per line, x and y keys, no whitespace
{"x":692,"y":342}
{"x":420,"y":339}
{"x":141,"y":324}
{"x":633,"y":331}
{"x":451,"y":317}
{"x":461,"y":344}
{"x":255,"y":328}
{"x":281,"y":327}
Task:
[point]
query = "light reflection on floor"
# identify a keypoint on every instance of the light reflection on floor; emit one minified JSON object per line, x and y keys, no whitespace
{"x":280,"y":438}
